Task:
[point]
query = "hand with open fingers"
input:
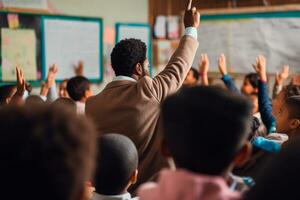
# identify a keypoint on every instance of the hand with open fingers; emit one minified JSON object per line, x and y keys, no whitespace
{"x":283,"y":75}
{"x":222,"y":65}
{"x":204,"y":64}
{"x":51,"y":75}
{"x":191,"y":16}
{"x":21,"y":83}
{"x":260,"y":68}
{"x":79,"y":68}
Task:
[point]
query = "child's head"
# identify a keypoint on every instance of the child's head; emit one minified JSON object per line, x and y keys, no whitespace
{"x":117,"y":164}
{"x":63,"y":89}
{"x":65,"y":103}
{"x":288,"y":118}
{"x":206,"y":129}
{"x":250,"y":84}
{"x":280,"y":108}
{"x":192,"y":78}
{"x":254,"y":99}
{"x":45,"y":153}
{"x":6,"y":93}
{"x":78,"y":88}
{"x":33,"y":101}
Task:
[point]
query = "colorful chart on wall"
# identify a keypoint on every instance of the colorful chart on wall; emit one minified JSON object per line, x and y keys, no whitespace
{"x":18,"y":48}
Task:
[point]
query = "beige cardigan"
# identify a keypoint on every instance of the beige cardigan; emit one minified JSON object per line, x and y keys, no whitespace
{"x":133,"y":108}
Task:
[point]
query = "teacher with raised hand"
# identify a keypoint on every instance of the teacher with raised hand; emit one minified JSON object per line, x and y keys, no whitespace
{"x":130,"y":104}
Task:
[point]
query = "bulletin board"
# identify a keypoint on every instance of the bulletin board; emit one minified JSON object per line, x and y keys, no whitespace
{"x":137,"y":31}
{"x":25,"y":40}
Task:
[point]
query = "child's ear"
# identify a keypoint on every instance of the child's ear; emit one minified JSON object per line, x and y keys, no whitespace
{"x":88,"y":93}
{"x":294,"y":123}
{"x":134,"y":177}
{"x":256,"y":90}
{"x":243,"y":155}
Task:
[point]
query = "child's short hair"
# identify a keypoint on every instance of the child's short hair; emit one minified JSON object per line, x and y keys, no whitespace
{"x":293,"y":106}
{"x":34,"y":100}
{"x":116,"y":163}
{"x":291,"y":90}
{"x":44,"y":153}
{"x":195,"y":73}
{"x":77,"y":86}
{"x":205,"y":127}
{"x":253,"y":79}
{"x":6,"y":91}
{"x":65,"y":103}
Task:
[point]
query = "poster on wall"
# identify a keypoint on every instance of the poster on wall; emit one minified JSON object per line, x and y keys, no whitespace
{"x":18,"y":49}
{"x":28,"y":4}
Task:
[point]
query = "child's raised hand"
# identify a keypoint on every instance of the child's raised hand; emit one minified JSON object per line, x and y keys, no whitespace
{"x":283,"y":75}
{"x":203,"y":64}
{"x":222,"y":65}
{"x":21,"y":83}
{"x":79,"y":68}
{"x":260,"y":68}
{"x":51,"y":75}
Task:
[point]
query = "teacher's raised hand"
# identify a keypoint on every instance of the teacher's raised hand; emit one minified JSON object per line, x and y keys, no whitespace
{"x":191,"y":16}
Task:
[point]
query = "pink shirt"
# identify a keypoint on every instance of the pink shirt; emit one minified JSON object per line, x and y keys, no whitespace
{"x":184,"y":185}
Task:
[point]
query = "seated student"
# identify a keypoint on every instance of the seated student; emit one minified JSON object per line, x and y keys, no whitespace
{"x":116,"y":169}
{"x":277,"y":118}
{"x":6,"y":94}
{"x":45,"y":153}
{"x":204,"y":152}
{"x":250,"y":84}
{"x":79,"y":71}
{"x":79,"y":90}
{"x":193,"y":76}
{"x":280,"y":177}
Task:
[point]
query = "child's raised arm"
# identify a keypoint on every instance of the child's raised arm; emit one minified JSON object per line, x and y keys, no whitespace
{"x":225,"y":77}
{"x":280,"y":78}
{"x":21,"y":87}
{"x":203,"y":69}
{"x":264,"y":101}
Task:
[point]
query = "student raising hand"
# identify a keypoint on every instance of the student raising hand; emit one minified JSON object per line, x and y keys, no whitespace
{"x":222,"y":65}
{"x":51,"y":75}
{"x":283,"y":75}
{"x":21,"y":83}
{"x":203,"y":68}
{"x":78,"y":69}
{"x":260,"y":68}
{"x":191,"y":16}
{"x":21,"y":87}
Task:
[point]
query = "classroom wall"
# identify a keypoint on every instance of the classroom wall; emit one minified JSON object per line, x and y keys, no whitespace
{"x":111,"y":11}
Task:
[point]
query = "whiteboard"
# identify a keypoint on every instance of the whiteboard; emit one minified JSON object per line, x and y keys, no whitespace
{"x":243,"y":39}
{"x":136,"y":31}
{"x":66,"y":41}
